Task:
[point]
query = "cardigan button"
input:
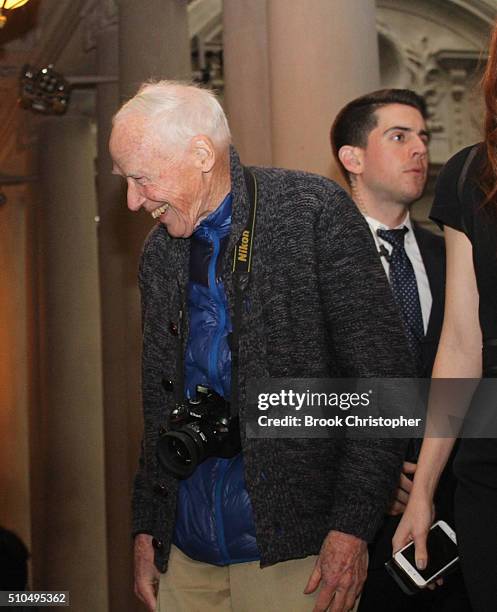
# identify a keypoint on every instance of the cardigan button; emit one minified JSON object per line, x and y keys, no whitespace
{"x":161,"y":489}
{"x":173,"y":328}
{"x":167,"y":385}
{"x":157,"y":544}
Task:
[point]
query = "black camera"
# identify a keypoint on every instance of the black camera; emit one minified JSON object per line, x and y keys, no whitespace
{"x":197,"y":429}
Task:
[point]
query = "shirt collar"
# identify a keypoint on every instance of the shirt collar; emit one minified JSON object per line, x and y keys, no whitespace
{"x":374,"y":224}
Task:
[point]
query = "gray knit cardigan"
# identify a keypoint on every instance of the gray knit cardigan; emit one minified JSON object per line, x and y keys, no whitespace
{"x":318,"y":305}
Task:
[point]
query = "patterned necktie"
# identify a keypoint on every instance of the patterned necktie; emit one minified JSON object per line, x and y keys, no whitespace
{"x":405,"y":288}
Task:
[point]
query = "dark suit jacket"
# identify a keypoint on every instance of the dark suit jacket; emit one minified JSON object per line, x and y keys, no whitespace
{"x":432,"y":249}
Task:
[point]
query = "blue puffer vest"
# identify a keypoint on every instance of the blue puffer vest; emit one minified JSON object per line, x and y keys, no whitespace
{"x":214,"y":521}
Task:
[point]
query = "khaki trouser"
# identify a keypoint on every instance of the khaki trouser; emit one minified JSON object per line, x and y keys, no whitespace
{"x":193,"y":586}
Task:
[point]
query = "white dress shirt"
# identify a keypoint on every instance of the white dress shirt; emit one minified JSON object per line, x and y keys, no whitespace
{"x":414,"y":254}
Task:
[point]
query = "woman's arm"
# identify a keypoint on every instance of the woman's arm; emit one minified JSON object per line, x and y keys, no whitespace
{"x":458,"y":356}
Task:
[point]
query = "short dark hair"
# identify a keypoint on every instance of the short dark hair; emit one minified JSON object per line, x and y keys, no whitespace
{"x":358,"y":118}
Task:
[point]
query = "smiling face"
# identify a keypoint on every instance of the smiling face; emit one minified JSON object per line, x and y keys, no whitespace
{"x":171,"y":186}
{"x":391,"y":170}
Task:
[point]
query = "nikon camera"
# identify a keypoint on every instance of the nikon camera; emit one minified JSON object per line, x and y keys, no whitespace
{"x":197,"y":429}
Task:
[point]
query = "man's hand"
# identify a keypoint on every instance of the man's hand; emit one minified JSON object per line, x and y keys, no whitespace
{"x":146,"y":574}
{"x":404,"y":489}
{"x":341,"y":569}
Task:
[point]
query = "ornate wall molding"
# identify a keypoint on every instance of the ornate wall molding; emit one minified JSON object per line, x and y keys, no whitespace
{"x":443,"y":64}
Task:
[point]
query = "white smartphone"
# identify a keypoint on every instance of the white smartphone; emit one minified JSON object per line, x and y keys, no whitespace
{"x":442,"y":555}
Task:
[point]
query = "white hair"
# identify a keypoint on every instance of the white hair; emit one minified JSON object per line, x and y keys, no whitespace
{"x":178,"y":112}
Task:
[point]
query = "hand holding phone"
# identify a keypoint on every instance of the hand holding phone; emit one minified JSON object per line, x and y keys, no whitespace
{"x":414,"y":526}
{"x":442,"y":558}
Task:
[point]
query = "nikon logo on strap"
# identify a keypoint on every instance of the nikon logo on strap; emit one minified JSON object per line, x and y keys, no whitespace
{"x":243,"y":247}
{"x":243,"y":251}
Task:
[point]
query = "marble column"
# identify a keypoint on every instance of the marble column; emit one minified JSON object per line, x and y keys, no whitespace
{"x":312,"y":57}
{"x":112,"y":251}
{"x":154,"y":42}
{"x":247,"y":92}
{"x":74,"y":547}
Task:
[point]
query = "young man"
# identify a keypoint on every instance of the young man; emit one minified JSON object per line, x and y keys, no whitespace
{"x":380,"y":142}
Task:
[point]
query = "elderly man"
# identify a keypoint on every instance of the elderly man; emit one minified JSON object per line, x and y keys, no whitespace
{"x":282,"y":524}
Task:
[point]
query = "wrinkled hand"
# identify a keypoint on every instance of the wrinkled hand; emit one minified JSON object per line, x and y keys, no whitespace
{"x":414,"y":525}
{"x":404,"y":489}
{"x":341,"y":569}
{"x":146,"y":574}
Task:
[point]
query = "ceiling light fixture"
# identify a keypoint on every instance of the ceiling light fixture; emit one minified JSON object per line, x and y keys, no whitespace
{"x":9,"y":5}
{"x":44,"y":91}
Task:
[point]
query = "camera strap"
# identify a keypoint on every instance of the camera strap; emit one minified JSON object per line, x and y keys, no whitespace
{"x":242,"y":266}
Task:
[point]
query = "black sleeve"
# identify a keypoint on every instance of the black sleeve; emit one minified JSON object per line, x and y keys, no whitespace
{"x":447,"y":207}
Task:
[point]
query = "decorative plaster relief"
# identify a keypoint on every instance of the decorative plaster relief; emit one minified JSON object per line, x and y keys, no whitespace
{"x":440,"y":62}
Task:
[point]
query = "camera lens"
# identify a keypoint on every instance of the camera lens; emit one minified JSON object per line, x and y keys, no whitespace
{"x":179,"y":448}
{"x":178,"y":453}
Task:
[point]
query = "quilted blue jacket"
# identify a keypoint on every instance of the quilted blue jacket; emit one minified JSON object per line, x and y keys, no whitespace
{"x":214,"y":521}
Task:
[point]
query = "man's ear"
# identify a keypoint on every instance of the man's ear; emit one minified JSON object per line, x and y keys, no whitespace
{"x":204,"y":153}
{"x":351,"y":158}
